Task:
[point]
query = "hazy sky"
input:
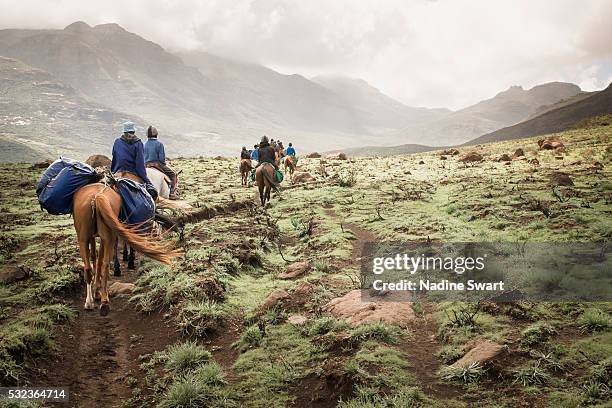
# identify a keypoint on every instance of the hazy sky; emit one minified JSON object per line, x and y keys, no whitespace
{"x":447,"y":53}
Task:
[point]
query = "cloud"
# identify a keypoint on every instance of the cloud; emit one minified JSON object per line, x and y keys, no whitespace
{"x":427,"y":53}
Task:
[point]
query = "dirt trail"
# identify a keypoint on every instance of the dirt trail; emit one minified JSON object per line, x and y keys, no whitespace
{"x":98,"y":356}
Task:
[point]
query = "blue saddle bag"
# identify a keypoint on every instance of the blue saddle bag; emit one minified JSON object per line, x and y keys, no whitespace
{"x":137,"y":205}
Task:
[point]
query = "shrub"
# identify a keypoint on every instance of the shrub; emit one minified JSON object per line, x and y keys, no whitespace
{"x":464,"y":374}
{"x":322,"y":325}
{"x":594,"y":320}
{"x":184,"y":357}
{"x":532,"y":374}
{"x":602,"y":372}
{"x":386,"y":333}
{"x":538,"y":333}
{"x":249,"y":339}
{"x":450,"y":354}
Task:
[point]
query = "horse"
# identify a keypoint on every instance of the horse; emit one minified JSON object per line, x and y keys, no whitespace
{"x":96,"y":214}
{"x":290,"y":164}
{"x":264,"y":177}
{"x":245,"y":170}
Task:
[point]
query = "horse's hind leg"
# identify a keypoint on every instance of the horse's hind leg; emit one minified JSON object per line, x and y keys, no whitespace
{"x":116,"y":263}
{"x":125,"y":251}
{"x":87,"y":273}
{"x":131,"y":259}
{"x":108,"y":242}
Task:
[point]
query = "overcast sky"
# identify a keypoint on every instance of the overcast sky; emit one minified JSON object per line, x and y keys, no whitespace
{"x":437,"y":53}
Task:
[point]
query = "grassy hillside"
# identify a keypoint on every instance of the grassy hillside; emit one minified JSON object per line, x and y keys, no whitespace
{"x":197,"y":333}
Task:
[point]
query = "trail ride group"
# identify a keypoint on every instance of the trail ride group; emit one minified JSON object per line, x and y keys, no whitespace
{"x":120,"y":203}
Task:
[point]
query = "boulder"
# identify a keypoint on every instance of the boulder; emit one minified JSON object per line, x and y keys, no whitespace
{"x":358,"y":308}
{"x":297,"y":320}
{"x":560,"y":179}
{"x":504,"y":158}
{"x":303,"y":290}
{"x":480,"y":352}
{"x":120,"y":288}
{"x":274,"y":298}
{"x":442,"y":157}
{"x":421,"y":162}
{"x":313,"y":155}
{"x":295,"y":270}
{"x":13,"y":273}
{"x":98,"y":160}
{"x":339,"y":156}
{"x":471,"y":157}
{"x":519,"y":152}
{"x":450,"y":152}
{"x":302,"y":177}
{"x":550,"y":143}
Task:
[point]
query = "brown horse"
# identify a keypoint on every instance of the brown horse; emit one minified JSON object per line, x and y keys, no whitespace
{"x":290,"y":164}
{"x":96,"y":213}
{"x":264,"y":177}
{"x":245,"y":170}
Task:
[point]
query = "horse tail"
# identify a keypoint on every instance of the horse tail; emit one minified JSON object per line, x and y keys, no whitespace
{"x":144,"y":244}
{"x":270,"y":179}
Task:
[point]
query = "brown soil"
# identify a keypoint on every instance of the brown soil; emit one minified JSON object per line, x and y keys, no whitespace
{"x":98,"y":355}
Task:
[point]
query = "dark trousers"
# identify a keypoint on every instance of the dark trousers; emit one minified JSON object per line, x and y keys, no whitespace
{"x":164,"y":168}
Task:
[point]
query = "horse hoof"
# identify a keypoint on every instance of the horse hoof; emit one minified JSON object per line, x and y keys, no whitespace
{"x":104,"y":309}
{"x":89,"y":306}
{"x":131,"y":266}
{"x":117,"y":272}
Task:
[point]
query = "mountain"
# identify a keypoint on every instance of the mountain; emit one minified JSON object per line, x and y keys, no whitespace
{"x":41,"y":117}
{"x":371,"y":151}
{"x":380,"y":110}
{"x":504,"y":109}
{"x":560,"y":118}
{"x":215,"y":103}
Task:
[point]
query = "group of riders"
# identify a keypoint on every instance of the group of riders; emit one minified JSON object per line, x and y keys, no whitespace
{"x":131,"y":157}
{"x":271,"y":151}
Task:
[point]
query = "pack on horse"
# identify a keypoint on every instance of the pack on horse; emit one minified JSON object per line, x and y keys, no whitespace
{"x":245,"y":170}
{"x":96,"y":210}
{"x":264,"y":177}
{"x":161,"y":181}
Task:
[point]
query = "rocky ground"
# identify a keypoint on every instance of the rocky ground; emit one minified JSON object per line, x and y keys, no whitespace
{"x":262,"y":311}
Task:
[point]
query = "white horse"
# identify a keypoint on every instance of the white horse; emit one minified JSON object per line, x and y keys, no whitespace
{"x":160,"y":181}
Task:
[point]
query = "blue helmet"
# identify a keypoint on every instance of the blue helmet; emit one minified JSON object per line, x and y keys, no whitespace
{"x":129,"y":127}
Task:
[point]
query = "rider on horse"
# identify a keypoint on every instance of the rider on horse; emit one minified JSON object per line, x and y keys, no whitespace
{"x":290,"y":150}
{"x":266,"y":153}
{"x":128,"y":157}
{"x":155,"y":156}
{"x":255,"y":154}
{"x":245,"y":154}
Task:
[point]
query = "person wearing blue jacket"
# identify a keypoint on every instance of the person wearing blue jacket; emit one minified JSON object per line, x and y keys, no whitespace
{"x":255,"y":154}
{"x":290,"y":150}
{"x":155,"y":156}
{"x":128,"y":157}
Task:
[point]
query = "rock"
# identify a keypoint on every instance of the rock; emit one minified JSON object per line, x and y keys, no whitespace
{"x":442,"y":157}
{"x":313,"y":155}
{"x":303,"y":290}
{"x":560,"y":179}
{"x":297,"y":320}
{"x":504,"y":158}
{"x":597,"y":166}
{"x":550,"y":143}
{"x":13,"y":273}
{"x":339,"y":156}
{"x":273,"y":299}
{"x":302,"y":177}
{"x":519,"y":152}
{"x":534,"y":161}
{"x":471,"y":157}
{"x":98,"y":160}
{"x":219,"y":158}
{"x":42,"y":164}
{"x":450,"y":152}
{"x":295,"y":270}
{"x":121,"y":288}
{"x":480,"y":352}
{"x":363,"y":309}
{"x":560,"y":150}
{"x":421,"y":162}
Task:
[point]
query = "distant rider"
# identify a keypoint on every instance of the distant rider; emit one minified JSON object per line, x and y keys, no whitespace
{"x":128,"y":157}
{"x":155,"y":156}
{"x":290,"y":150}
{"x":255,"y":155}
{"x":244,"y":154}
